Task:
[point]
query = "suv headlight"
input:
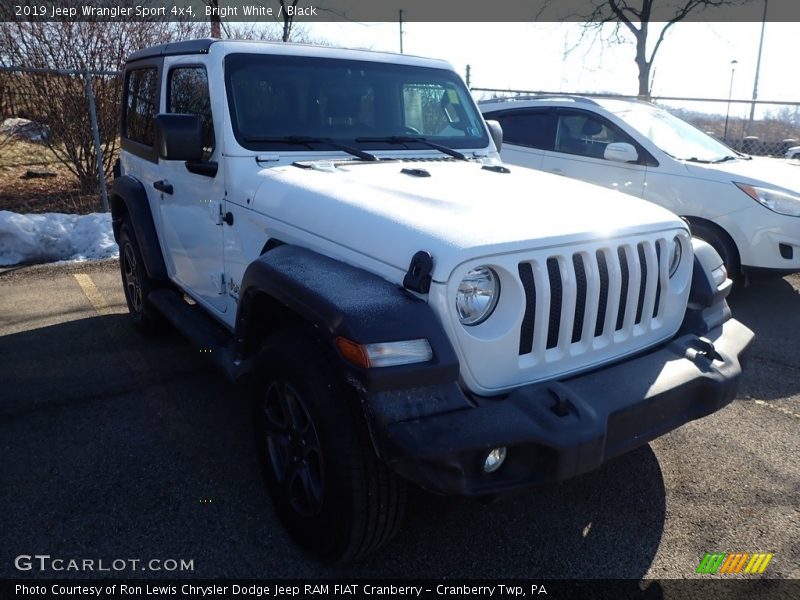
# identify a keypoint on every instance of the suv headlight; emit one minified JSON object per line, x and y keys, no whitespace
{"x":778,"y":201}
{"x":477,"y":295}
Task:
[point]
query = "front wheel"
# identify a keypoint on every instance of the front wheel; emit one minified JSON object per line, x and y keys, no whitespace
{"x":136,"y":283}
{"x":330,"y":491}
{"x":722,"y":243}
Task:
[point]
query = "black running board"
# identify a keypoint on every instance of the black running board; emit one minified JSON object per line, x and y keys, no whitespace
{"x":211,"y":338}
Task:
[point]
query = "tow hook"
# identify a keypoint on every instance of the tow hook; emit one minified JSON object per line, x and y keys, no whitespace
{"x":562,"y":403}
{"x":703,"y":347}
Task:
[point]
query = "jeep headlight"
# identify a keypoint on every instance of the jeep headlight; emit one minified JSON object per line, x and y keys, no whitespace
{"x":477,"y":295}
{"x":784,"y":203}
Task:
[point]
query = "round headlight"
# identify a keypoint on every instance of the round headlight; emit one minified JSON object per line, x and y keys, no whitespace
{"x":477,"y":295}
{"x":675,"y":256}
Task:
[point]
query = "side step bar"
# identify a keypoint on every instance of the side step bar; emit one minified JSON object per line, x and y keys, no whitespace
{"x":201,"y":330}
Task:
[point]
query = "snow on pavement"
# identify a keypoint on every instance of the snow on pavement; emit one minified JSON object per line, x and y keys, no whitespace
{"x":50,"y":237}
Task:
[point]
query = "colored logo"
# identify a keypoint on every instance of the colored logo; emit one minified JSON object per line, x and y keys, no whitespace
{"x":740,"y":562}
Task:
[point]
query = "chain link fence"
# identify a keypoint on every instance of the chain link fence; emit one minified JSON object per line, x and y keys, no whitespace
{"x":58,"y":138}
{"x":760,"y":128}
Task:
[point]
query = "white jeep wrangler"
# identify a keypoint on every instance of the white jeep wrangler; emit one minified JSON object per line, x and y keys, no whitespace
{"x":337,"y":227}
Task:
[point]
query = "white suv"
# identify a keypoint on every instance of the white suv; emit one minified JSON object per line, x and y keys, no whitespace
{"x":747,"y":208}
{"x":335,"y":227}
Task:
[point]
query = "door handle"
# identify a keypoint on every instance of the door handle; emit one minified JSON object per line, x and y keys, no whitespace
{"x":162,"y":186}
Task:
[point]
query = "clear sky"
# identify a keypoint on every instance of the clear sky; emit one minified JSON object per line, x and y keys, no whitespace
{"x":694,"y":60}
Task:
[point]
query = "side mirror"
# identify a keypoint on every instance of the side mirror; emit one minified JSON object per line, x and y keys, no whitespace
{"x":621,"y":152}
{"x":179,"y":137}
{"x":496,"y":131}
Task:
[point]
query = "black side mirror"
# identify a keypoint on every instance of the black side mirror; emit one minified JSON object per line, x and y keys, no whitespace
{"x":496,"y":131}
{"x":180,"y":137}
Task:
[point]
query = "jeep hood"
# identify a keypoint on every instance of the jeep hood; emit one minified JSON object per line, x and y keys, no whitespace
{"x":455,"y":210}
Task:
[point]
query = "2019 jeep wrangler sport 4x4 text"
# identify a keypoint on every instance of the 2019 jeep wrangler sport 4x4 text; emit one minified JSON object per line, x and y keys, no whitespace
{"x":336,"y":227}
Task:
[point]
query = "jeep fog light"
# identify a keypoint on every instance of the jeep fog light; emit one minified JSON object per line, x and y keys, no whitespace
{"x":477,"y":295}
{"x":385,"y":354}
{"x":495,"y":459}
{"x":719,"y":275}
{"x":675,"y":256}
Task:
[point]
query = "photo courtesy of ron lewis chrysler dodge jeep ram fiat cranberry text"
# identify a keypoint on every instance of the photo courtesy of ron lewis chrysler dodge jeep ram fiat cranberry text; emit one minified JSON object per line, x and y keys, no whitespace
{"x":336,"y":227}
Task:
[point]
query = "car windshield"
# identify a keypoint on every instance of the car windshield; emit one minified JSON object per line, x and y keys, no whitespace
{"x":276,"y":100}
{"x":674,"y":136}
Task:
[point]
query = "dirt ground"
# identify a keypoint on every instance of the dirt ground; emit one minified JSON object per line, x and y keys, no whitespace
{"x":59,"y":193}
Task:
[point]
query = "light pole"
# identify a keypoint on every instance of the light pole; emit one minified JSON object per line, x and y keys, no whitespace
{"x":730,"y":91}
{"x":758,"y":69}
{"x":401,"y":32}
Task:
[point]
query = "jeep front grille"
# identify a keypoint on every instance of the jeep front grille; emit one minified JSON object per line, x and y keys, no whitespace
{"x":577,"y":301}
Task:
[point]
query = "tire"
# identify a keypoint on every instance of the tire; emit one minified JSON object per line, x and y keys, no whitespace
{"x":722,"y":243}
{"x":136,"y":283}
{"x":330,"y":492}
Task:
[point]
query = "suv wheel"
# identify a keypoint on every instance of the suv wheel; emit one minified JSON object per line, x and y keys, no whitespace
{"x":721,"y":242}
{"x":331,"y":493}
{"x":136,"y":282}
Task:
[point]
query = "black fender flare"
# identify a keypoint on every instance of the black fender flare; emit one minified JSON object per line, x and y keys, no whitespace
{"x":340,"y":300}
{"x":128,"y":197}
{"x":707,"y":307}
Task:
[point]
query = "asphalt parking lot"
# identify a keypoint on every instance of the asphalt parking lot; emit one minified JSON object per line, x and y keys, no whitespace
{"x":115,"y":446}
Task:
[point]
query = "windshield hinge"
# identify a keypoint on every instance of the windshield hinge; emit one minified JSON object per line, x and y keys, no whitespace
{"x":418,"y":277}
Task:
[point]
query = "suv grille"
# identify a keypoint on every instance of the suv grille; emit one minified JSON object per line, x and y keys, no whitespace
{"x":591,"y":297}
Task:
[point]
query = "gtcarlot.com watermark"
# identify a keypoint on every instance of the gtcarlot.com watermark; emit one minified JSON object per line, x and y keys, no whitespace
{"x":45,"y":562}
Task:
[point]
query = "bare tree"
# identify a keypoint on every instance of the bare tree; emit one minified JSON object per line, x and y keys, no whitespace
{"x":214,"y":19}
{"x":58,"y":102}
{"x":288,"y":20}
{"x":610,"y":19}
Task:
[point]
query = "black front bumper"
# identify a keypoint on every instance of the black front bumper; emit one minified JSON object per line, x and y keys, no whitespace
{"x":556,"y":430}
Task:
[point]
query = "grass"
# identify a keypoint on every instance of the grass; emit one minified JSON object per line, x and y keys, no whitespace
{"x":60,"y":193}
{"x":18,"y":152}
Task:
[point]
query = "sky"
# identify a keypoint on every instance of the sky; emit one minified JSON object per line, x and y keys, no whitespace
{"x":694,"y":60}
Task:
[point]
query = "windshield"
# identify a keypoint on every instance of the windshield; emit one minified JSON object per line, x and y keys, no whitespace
{"x":359,"y":103}
{"x":677,"y":138}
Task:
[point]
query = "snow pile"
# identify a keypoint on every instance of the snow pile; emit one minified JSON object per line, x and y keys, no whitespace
{"x":23,"y":129}
{"x":53,"y":236}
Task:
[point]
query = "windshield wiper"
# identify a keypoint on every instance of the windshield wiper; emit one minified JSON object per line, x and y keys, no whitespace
{"x":305,"y":140}
{"x":694,"y":159}
{"x":408,"y":139}
{"x":723,"y":159}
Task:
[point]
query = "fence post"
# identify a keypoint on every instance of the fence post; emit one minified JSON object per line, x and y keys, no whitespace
{"x":98,"y":151}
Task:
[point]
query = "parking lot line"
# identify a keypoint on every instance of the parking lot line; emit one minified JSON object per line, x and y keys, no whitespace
{"x":133,"y":359}
{"x":91,"y":292}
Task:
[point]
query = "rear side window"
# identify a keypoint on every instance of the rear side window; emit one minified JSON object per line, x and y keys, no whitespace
{"x":141,"y":104}
{"x":526,"y":129}
{"x":586,"y":134}
{"x":188,"y":94}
